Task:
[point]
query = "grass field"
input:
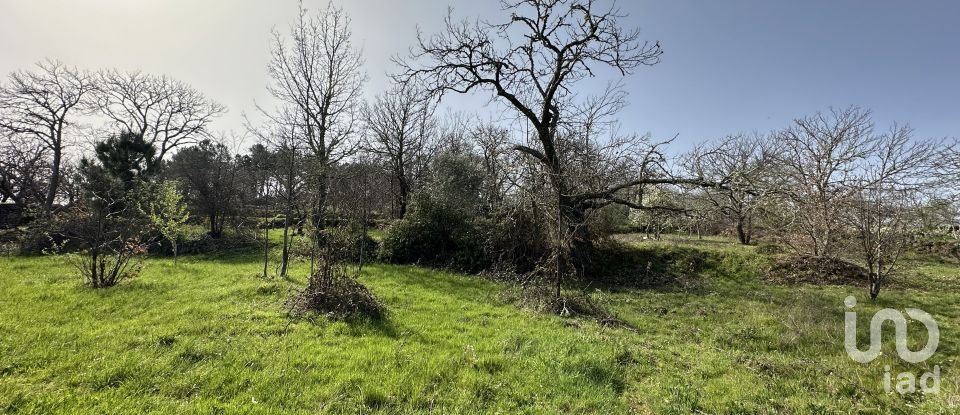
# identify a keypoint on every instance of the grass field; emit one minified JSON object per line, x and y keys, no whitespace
{"x":208,"y":336}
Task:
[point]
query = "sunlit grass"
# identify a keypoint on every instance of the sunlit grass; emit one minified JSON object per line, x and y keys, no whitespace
{"x":208,"y":336}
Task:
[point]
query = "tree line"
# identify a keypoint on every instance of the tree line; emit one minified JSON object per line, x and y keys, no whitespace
{"x":538,"y":192}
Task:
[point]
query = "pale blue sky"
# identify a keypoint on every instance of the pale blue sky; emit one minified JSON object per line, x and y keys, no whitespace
{"x":729,"y":66}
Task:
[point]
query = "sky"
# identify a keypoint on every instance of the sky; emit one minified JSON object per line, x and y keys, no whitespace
{"x":729,"y":66}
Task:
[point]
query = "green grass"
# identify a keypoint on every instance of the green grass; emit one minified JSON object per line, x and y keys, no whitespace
{"x":208,"y":336}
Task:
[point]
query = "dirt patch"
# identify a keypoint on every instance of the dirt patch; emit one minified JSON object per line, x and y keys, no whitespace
{"x":817,"y":270}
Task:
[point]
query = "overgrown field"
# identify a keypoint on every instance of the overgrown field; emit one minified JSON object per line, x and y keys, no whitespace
{"x":208,"y":336}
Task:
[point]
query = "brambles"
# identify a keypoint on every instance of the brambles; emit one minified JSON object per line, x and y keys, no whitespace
{"x":337,"y":295}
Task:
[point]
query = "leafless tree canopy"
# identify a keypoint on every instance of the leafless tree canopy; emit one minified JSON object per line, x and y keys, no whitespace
{"x":822,"y":156}
{"x":168,"y":113}
{"x":400,"y":125}
{"x":531,"y":62}
{"x":894,"y":178}
{"x":24,"y":171}
{"x":744,"y":164}
{"x":42,"y":105}
{"x":317,"y":76}
{"x":317,"y":71}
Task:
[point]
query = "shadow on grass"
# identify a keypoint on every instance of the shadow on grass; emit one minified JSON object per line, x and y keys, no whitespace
{"x":619,"y":266}
{"x":383,"y":326}
{"x":471,"y":289}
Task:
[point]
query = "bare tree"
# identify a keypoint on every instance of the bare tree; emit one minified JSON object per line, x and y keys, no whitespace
{"x":887,"y":191}
{"x":284,"y":133}
{"x":260,"y":167}
{"x":453,"y":133}
{"x":41,"y":105}
{"x":166,"y":112}
{"x":531,"y":62}
{"x":24,"y":171}
{"x":399,"y":124}
{"x":743,"y":162}
{"x":316,"y":73}
{"x":820,"y":158}
{"x":493,"y":146}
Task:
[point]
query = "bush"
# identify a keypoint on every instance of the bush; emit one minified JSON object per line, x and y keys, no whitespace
{"x":46,"y":235}
{"x":111,"y":241}
{"x":615,"y":264}
{"x":942,"y":247}
{"x":351,"y":241}
{"x":441,"y":235}
{"x":434,"y":234}
{"x":198,"y":241}
{"x":35,"y":240}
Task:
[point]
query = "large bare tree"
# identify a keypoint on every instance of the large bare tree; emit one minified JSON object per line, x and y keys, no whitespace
{"x":531,"y":62}
{"x":166,"y":112}
{"x":399,"y":126}
{"x":316,"y":74}
{"x":42,"y":105}
{"x":820,"y":159}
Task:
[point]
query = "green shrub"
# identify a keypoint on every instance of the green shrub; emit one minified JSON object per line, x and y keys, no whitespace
{"x":434,"y":234}
{"x":200,"y":242}
{"x":351,"y":242}
{"x":46,"y":235}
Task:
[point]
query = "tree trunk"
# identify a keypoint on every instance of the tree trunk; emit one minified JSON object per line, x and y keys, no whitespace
{"x":54,"y":182}
{"x":574,"y":243}
{"x":743,"y":231}
{"x":215,"y":232}
{"x":403,"y":197}
{"x":266,"y":247}
{"x":285,"y":257}
{"x":320,"y":215}
{"x":94,"y":276}
{"x":874,"y":286}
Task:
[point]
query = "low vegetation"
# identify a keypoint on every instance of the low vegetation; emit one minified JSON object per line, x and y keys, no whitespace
{"x":208,"y":335}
